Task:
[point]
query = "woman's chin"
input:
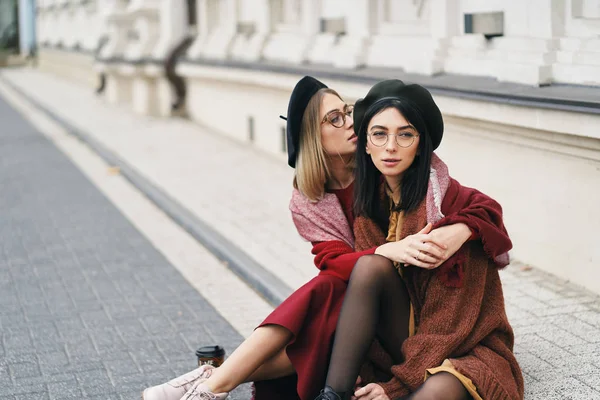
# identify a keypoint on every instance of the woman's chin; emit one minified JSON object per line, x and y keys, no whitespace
{"x":391,"y":172}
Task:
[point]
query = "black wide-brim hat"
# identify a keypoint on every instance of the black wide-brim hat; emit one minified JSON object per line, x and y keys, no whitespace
{"x":415,"y":94}
{"x":305,"y":89}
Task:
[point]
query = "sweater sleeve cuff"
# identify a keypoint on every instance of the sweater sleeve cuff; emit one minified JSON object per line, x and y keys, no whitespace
{"x":394,"y":389}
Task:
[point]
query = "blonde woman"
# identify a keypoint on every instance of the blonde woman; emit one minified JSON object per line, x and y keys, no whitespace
{"x":288,"y":354}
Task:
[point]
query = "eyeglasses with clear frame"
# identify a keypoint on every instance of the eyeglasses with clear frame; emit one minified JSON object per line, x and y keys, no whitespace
{"x":403,"y":139}
{"x":337,"y":118}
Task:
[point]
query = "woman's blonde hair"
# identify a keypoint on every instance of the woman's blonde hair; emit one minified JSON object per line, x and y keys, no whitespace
{"x":312,"y":168}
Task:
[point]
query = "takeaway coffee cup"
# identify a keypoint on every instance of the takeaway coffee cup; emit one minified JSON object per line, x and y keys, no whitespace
{"x":210,"y":355}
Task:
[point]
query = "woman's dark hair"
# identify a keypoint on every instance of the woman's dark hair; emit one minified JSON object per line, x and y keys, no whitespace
{"x":368,"y":178}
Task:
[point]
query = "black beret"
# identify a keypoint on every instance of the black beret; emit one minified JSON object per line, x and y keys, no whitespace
{"x":415,"y":94}
{"x":305,"y":89}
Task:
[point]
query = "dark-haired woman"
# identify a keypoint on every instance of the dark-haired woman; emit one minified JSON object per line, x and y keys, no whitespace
{"x":432,"y":334}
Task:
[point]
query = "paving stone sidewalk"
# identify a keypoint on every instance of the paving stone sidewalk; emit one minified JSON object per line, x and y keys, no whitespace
{"x":88,"y":308}
{"x":557,"y":325}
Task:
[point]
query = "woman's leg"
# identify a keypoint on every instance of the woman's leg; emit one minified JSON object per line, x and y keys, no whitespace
{"x":276,"y":367}
{"x":264,"y":343}
{"x":440,"y":386}
{"x":376,"y":305}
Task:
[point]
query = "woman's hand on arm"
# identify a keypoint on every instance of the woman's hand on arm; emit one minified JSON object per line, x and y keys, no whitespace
{"x":421,"y":250}
{"x":370,"y":392}
{"x":452,"y":237}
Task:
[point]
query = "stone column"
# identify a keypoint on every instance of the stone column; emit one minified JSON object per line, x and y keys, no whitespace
{"x":53,"y":21}
{"x":405,"y":27}
{"x":144,"y":28}
{"x":206,"y":16}
{"x":222,"y":32}
{"x":115,"y":20}
{"x":352,"y":48}
{"x":253,"y":28}
{"x":69,"y":27}
{"x":528,"y":50}
{"x":112,"y":13}
{"x":293,"y":35}
{"x":64,"y":26}
{"x":40,"y":22}
{"x":327,"y":22}
{"x":578,"y":56}
{"x":94,"y":24}
{"x":173,"y":27}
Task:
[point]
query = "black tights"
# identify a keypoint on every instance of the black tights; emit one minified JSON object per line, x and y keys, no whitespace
{"x":377,"y":306}
{"x":442,"y":385}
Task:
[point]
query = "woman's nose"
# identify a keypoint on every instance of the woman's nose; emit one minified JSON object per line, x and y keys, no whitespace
{"x":391,"y":144}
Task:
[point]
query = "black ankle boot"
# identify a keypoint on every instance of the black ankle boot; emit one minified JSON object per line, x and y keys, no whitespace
{"x":329,"y":394}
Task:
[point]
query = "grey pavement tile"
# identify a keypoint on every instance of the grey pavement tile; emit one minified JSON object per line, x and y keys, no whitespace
{"x":592,"y":380}
{"x":527,"y":303}
{"x":81,"y":364}
{"x":524,"y":330}
{"x":130,"y":329}
{"x":539,"y":293}
{"x":573,"y":301}
{"x":4,"y":375}
{"x":177,"y":352}
{"x":83,"y":350}
{"x":116,"y":354}
{"x":118,"y":310}
{"x":578,"y":371}
{"x":70,"y":326}
{"x":149,"y":359}
{"x":566,"y":310}
{"x":16,"y":338}
{"x":134,"y":394}
{"x":591,"y":317}
{"x":95,"y":319}
{"x":122,"y":367}
{"x":37,"y":311}
{"x":560,"y":337}
{"x":95,"y":382}
{"x":22,"y":389}
{"x":573,"y":389}
{"x":588,"y":348}
{"x":64,"y":390}
{"x":107,"y":339}
{"x":52,"y":362}
{"x":133,"y":383}
{"x":533,"y":365}
{"x":24,"y":370}
{"x":575,"y":326}
{"x":110,"y":396}
{"x":157,"y":324}
{"x":33,"y":396}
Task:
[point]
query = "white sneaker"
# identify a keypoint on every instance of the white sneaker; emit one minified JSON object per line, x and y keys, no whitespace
{"x":175,"y":388}
{"x":202,"y":392}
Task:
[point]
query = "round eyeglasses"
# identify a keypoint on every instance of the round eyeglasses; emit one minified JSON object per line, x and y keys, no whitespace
{"x":403,"y":139}
{"x":338,"y":118}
